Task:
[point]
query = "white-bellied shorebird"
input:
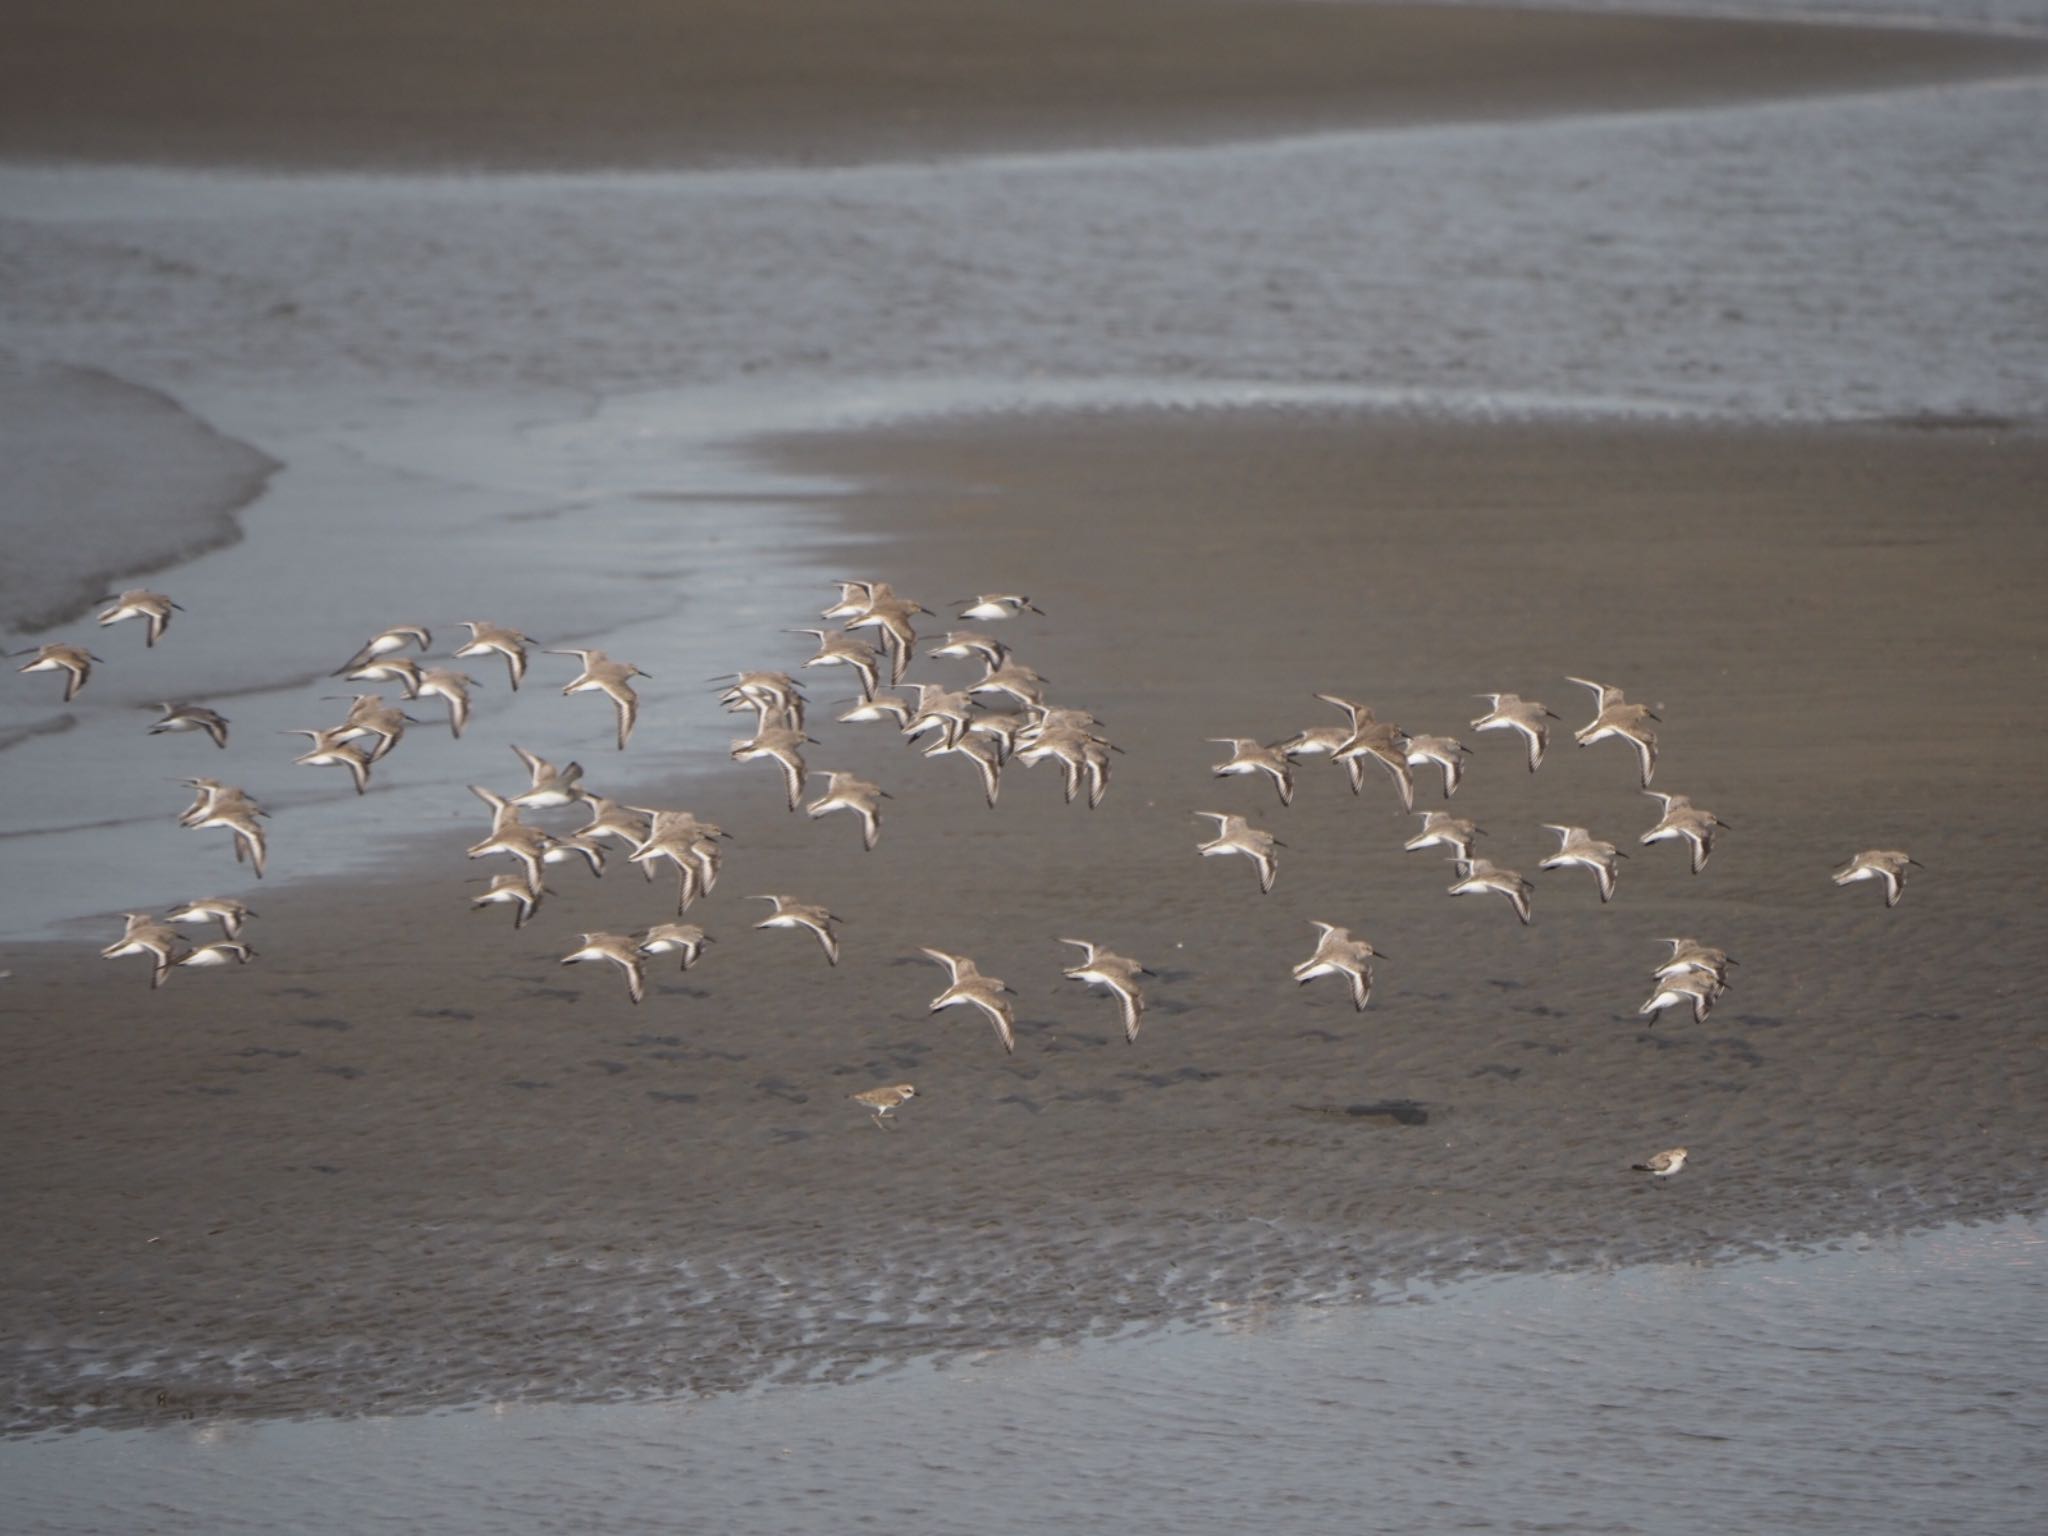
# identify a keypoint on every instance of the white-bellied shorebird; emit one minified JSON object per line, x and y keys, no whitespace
{"x":678,"y":845}
{"x":1525,"y":716}
{"x":1578,"y":846}
{"x":487,"y":639}
{"x":1338,"y":954}
{"x":1020,"y":682}
{"x":836,"y":649}
{"x":219,"y":952}
{"x":384,"y":643}
{"x":74,"y":661}
{"x":446,"y":683}
{"x":967,"y":644}
{"x":1886,"y":864}
{"x":622,"y":950}
{"x":1683,"y":819}
{"x":144,"y":935}
{"x":1380,"y":742}
{"x":515,"y":839}
{"x":1441,"y":828}
{"x":853,"y":597}
{"x":1691,"y":955}
{"x":978,"y":750}
{"x":569,"y":847}
{"x":996,"y":605}
{"x":1662,"y":1164}
{"x":1250,"y":756}
{"x":784,"y":746}
{"x":179,"y":718}
{"x":225,"y":910}
{"x":881,"y":707}
{"x":1101,"y":968}
{"x":369,"y":715}
{"x":849,"y":792}
{"x":891,"y":615}
{"x":1325,"y":741}
{"x":1697,"y":990}
{"x":947,"y":710}
{"x":608,"y":819}
{"x":1236,"y":835}
{"x":511,"y":891}
{"x":550,"y":786}
{"x":611,"y":678}
{"x":774,"y":697}
{"x":791,"y":913}
{"x":685,"y":939}
{"x":881,"y":1102}
{"x":970,"y":987}
{"x":141,"y":603}
{"x":1479,"y":875}
{"x":1447,"y":752}
{"x":1618,"y":718}
{"x":330,"y":751}
{"x":237,"y":814}
{"x":402,"y":670}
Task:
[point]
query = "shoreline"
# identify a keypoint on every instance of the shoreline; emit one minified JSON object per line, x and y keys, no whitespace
{"x":465,"y":1173}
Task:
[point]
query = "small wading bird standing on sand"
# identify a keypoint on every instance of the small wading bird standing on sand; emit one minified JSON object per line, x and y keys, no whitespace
{"x":880,"y":1102}
{"x":1662,"y":1164}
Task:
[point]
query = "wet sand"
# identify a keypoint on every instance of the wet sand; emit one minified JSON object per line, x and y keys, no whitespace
{"x":106,"y":479}
{"x":644,"y":83}
{"x":406,"y":1160}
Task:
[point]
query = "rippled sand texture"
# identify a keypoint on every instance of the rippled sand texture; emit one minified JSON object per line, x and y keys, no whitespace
{"x":409,"y":1160}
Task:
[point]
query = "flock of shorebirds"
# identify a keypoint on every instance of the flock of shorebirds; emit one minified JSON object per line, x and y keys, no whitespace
{"x":996,"y":721}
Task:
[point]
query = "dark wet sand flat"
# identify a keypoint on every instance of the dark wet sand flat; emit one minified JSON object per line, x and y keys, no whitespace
{"x":408,"y":1160}
{"x":641,"y":82}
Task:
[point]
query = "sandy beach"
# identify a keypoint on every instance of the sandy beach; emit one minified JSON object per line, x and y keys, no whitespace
{"x":408,"y":1161}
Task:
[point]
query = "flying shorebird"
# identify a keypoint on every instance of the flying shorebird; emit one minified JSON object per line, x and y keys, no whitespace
{"x":1682,"y":818}
{"x":1662,"y":1164}
{"x":515,"y":838}
{"x":1510,"y":713}
{"x":1015,"y":679}
{"x":1235,"y":835}
{"x":996,"y":605}
{"x":790,"y":913}
{"x":621,"y":950}
{"x":1617,"y":717}
{"x":964,"y":644}
{"x":146,"y":936}
{"x":1886,"y":864}
{"x":191,"y":717}
{"x":141,"y":603}
{"x":783,"y":745}
{"x":1695,"y":989}
{"x":774,"y":697}
{"x":1338,"y":954}
{"x":1100,"y":968}
{"x":550,"y":786}
{"x":383,"y":643}
{"x":1691,"y":955}
{"x":235,"y":812}
{"x":1441,"y":827}
{"x":842,"y":650}
{"x":446,"y":683}
{"x":1477,"y":875}
{"x":847,"y":792}
{"x":219,"y":952}
{"x":402,"y":670}
{"x":613,"y":679}
{"x":512,"y":891}
{"x":1446,"y":752}
{"x":891,"y":615}
{"x":565,"y":847}
{"x":1249,"y":756}
{"x":685,"y":939}
{"x":330,"y":751}
{"x":1385,"y":744}
{"x":369,"y":715}
{"x":970,"y":987}
{"x":879,"y":1102}
{"x":1578,"y":846}
{"x":495,"y":639}
{"x":73,"y":660}
{"x":225,"y":910}
{"x":881,"y":707}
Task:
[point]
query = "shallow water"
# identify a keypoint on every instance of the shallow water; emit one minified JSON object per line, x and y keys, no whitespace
{"x":1891,"y":1385}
